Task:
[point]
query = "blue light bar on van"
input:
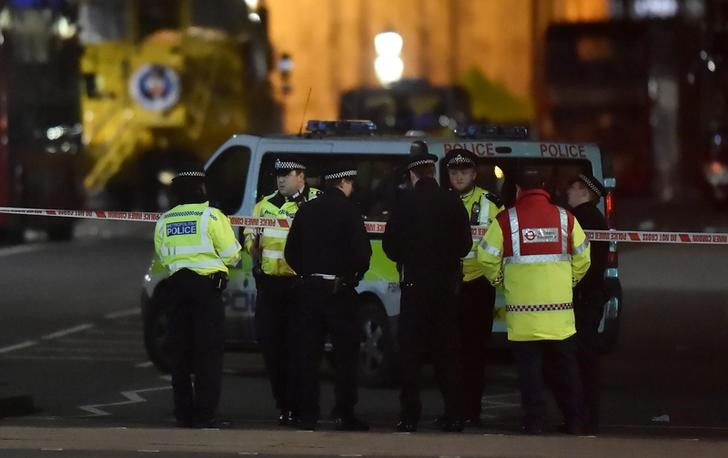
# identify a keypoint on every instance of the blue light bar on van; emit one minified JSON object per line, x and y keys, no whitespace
{"x":342,"y":127}
{"x":492,"y":131}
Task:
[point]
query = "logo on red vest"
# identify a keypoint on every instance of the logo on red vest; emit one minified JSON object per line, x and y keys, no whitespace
{"x":540,"y":235}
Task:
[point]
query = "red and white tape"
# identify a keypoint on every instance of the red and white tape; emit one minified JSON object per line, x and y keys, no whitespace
{"x":376,"y":227}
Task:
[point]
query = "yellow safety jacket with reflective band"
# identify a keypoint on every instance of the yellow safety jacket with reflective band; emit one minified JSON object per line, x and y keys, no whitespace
{"x":273,"y":239}
{"x":481,"y":212}
{"x":196,"y":237}
{"x":538,"y":288}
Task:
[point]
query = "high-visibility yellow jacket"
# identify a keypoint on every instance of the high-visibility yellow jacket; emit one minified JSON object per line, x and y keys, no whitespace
{"x":482,"y":208}
{"x":196,"y":237}
{"x":538,"y":252}
{"x":273,"y":240}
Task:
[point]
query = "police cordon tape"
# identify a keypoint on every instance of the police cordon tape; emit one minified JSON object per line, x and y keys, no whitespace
{"x":374,"y":227}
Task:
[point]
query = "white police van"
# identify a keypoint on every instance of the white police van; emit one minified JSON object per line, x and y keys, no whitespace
{"x":241,"y":172}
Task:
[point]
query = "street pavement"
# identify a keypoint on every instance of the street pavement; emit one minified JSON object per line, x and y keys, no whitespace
{"x":208,"y":443}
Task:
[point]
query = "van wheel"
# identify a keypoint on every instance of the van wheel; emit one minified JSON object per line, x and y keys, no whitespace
{"x":376,"y":348}
{"x":156,"y":329}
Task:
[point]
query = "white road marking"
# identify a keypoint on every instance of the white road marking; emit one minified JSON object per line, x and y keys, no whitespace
{"x":20,"y":249}
{"x":132,"y":397}
{"x":491,"y":402}
{"x":667,"y":426}
{"x":68,"y":331}
{"x":48,"y":449}
{"x":122,"y":313}
{"x":144,"y":364}
{"x":101,"y":342}
{"x":91,"y":359}
{"x":21,"y":345}
{"x":144,"y":450}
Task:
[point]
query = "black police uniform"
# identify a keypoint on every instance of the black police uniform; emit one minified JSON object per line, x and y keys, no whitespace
{"x":589,"y":297}
{"x":195,"y":345}
{"x":329,"y":248}
{"x":427,"y":235}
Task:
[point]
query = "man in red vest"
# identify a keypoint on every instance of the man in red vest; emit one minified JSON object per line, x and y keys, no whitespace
{"x":538,"y":252}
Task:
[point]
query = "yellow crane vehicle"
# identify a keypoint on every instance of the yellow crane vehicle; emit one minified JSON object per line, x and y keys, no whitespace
{"x":164,"y":83}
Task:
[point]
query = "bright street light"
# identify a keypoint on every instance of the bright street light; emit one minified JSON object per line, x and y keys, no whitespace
{"x":388,"y":64}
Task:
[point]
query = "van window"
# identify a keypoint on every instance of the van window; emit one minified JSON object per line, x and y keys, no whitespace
{"x":374,"y":188}
{"x":226,"y":178}
{"x":498,"y":176}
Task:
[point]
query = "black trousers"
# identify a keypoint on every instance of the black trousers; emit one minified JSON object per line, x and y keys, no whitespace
{"x":588,"y":309}
{"x":275,"y":328}
{"x":530,"y":357}
{"x":326,"y":310}
{"x":195,"y":344}
{"x":477,"y":299}
{"x":428,"y":323}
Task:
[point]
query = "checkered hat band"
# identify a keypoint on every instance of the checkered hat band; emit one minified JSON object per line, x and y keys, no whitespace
{"x":337,"y":175}
{"x":414,"y":164}
{"x":460,"y":160}
{"x":191,"y":174}
{"x":590,"y":185}
{"x":289,"y":165}
{"x":539,"y":307}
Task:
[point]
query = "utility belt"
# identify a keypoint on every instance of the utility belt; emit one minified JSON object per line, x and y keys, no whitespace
{"x":263,"y":279}
{"x":425,"y":278}
{"x":334,"y":282}
{"x":219,"y":279}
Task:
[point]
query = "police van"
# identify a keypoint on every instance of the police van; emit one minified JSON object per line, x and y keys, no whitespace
{"x":241,"y":172}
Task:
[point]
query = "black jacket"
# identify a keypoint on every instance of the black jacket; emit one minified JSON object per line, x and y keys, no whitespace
{"x":428,"y":233}
{"x":590,"y":217}
{"x":328,"y":237}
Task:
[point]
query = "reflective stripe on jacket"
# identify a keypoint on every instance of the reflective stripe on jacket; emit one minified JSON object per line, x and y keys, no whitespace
{"x":538,"y":252}
{"x":273,"y":240}
{"x":481,"y":212}
{"x":196,"y":237}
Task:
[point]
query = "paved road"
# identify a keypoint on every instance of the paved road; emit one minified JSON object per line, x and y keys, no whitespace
{"x":71,"y":337}
{"x":116,"y":442}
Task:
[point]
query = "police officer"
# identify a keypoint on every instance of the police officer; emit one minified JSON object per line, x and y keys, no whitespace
{"x":427,"y":235}
{"x":196,"y":244}
{"x":329,"y":248}
{"x":590,"y":294}
{"x":538,"y":252}
{"x":276,"y":304}
{"x":477,"y":296}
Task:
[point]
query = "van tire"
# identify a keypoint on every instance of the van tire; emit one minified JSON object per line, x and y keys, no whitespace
{"x":156,"y":328}
{"x":376,"y":347}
